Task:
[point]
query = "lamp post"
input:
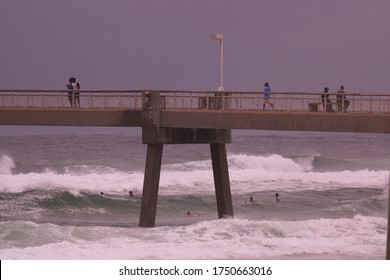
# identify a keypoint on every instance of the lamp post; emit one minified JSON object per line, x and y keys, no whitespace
{"x":219,"y":37}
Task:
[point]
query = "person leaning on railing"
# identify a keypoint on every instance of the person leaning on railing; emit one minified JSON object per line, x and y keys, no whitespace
{"x":74,"y":95}
{"x":341,"y":100}
{"x":326,"y":102}
{"x":70,"y":92}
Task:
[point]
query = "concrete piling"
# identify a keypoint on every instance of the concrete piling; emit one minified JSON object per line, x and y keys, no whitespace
{"x":151,"y":185}
{"x":221,"y":180}
{"x":156,"y":136}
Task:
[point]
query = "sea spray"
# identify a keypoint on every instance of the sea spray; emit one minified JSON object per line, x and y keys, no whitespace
{"x":6,"y":165}
{"x":259,"y":174}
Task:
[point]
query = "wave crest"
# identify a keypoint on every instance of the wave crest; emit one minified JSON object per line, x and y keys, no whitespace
{"x":266,"y":163}
{"x":6,"y":165}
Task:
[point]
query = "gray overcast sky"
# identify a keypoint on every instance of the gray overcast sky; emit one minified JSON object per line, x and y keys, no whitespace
{"x":165,"y":44}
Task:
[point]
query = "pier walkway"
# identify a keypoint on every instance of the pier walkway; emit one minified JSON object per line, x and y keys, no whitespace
{"x":299,"y":111}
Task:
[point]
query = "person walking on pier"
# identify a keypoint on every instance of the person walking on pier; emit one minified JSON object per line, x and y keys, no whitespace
{"x":267,"y":96}
{"x":341,"y":100}
{"x":327,"y":104}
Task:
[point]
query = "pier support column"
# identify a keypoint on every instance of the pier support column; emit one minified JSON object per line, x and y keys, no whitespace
{"x":221,"y":180}
{"x":151,"y":184}
{"x":156,"y":136}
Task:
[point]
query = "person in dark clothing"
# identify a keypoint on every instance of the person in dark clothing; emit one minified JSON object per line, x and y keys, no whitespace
{"x":326,"y":100}
{"x":74,"y":94}
{"x":69,"y":86}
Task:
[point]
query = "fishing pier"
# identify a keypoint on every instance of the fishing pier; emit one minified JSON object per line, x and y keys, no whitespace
{"x":194,"y":117}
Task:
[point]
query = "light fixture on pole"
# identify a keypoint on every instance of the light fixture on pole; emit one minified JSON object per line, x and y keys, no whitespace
{"x":219,"y":37}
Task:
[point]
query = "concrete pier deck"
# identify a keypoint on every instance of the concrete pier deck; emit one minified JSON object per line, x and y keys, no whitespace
{"x":213,"y":119}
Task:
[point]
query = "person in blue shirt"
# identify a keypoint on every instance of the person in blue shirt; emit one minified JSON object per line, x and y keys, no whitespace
{"x":267,"y":96}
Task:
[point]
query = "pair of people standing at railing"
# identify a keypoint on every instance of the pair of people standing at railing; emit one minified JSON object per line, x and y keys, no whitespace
{"x":341,"y":101}
{"x":74,"y":94}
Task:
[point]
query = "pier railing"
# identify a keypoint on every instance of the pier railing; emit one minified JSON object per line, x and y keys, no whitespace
{"x":196,"y":100}
{"x":89,"y":99}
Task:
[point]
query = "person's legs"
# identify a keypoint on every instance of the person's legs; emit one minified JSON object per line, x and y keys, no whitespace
{"x":346,"y":104}
{"x":70,"y":98}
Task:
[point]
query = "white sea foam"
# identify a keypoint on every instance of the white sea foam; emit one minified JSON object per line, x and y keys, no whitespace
{"x":247,"y":174}
{"x":270,"y":163}
{"x":359,"y":238}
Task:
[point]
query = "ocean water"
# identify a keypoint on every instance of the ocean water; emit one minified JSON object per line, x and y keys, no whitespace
{"x":64,"y":195}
